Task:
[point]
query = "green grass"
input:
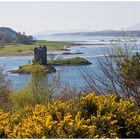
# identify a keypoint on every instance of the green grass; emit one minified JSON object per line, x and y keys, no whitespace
{"x":35,"y":68}
{"x":16,"y":49}
{"x":69,"y":61}
{"x":54,"y":44}
{"x":21,"y":49}
{"x":30,"y":68}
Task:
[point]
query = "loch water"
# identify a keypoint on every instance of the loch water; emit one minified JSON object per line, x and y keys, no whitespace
{"x":69,"y":74}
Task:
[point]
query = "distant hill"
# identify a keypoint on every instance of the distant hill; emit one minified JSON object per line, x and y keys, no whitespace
{"x":7,"y":35}
{"x":132,"y":33}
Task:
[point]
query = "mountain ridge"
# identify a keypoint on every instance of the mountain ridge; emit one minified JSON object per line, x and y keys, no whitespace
{"x":104,"y":33}
{"x":115,"y":33}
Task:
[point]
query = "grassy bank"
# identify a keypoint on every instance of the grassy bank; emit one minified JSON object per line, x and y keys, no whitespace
{"x":21,"y":49}
{"x":69,"y":61}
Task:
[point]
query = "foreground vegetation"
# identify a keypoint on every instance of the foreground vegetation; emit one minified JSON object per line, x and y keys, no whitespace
{"x":25,"y":49}
{"x":91,"y":116}
{"x":119,"y":75}
{"x":36,"y":112}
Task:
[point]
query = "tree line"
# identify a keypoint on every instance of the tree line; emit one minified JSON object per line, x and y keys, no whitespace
{"x":8,"y":35}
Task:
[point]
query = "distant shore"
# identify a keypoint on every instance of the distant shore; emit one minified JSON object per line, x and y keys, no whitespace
{"x":24,"y":50}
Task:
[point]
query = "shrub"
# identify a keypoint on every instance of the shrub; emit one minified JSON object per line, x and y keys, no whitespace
{"x":94,"y":117}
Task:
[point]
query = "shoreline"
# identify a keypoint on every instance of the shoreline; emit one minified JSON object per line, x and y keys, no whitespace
{"x":30,"y":53}
{"x":61,"y":48}
{"x":28,"y":49}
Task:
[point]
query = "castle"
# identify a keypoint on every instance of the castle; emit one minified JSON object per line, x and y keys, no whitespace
{"x":40,"y":54}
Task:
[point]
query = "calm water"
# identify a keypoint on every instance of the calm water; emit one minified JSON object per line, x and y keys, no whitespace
{"x":70,"y":74}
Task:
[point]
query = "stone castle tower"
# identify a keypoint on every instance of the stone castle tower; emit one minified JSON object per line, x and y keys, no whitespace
{"x":40,"y":54}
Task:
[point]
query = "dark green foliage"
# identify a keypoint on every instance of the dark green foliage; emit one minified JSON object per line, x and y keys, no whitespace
{"x":8,"y":35}
{"x":24,"y":39}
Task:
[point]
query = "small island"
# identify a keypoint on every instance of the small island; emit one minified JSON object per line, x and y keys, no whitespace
{"x":31,"y":68}
{"x":69,"y":62}
{"x":41,"y":63}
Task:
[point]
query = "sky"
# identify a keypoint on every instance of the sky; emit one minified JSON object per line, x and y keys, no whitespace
{"x":35,"y":17}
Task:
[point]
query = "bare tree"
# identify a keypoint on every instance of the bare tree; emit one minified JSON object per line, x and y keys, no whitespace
{"x":68,"y":92}
{"x":5,"y":88}
{"x":118,"y":72}
{"x":45,"y":87}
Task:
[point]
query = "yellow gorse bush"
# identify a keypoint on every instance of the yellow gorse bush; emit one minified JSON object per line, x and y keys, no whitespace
{"x":91,"y":116}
